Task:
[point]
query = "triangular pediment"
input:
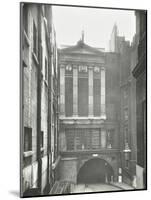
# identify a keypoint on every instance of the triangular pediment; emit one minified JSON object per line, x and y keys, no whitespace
{"x":81,"y":48}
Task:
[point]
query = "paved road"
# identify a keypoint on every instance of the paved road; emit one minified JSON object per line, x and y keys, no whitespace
{"x":80,"y":188}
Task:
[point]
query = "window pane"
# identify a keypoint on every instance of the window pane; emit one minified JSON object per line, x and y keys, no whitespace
{"x":25,"y":18}
{"x":27,"y":139}
{"x":70,"y":139}
{"x":69,"y":96}
{"x":95,"y":139}
{"x":96,"y":97}
{"x":83,"y":96}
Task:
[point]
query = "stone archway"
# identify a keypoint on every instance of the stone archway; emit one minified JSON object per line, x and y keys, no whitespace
{"x":95,"y":170}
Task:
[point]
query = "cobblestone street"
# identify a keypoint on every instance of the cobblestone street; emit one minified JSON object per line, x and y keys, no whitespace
{"x":80,"y":188}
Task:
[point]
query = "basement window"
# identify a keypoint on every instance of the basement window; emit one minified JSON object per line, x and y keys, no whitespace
{"x":27,"y":139}
{"x":27,"y":159}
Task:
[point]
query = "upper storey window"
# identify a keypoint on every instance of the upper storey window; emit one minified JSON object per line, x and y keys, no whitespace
{"x":68,"y":90}
{"x":35,"y":39}
{"x":126,"y":113}
{"x":25,"y":18}
{"x":46,"y":69}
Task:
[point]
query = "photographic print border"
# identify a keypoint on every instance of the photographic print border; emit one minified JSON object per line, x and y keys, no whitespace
{"x":22,"y":97}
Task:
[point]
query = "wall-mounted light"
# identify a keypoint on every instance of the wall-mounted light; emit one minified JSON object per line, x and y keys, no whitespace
{"x":95,"y":155}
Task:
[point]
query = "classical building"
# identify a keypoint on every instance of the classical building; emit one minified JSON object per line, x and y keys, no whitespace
{"x":39,"y":156}
{"x":139,"y":72}
{"x":89,"y":134}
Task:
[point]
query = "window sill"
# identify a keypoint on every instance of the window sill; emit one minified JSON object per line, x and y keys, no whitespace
{"x":28,"y":153}
{"x":42,"y":149}
{"x":35,"y":58}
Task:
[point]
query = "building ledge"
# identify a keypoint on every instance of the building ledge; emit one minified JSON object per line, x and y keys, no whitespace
{"x":28,"y":153}
{"x":89,"y":152}
{"x":82,"y":120}
{"x":103,"y":117}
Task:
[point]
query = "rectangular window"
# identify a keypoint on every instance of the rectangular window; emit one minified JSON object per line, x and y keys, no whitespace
{"x":85,"y":139}
{"x":83,"y":96}
{"x":126,"y":134}
{"x":46,"y":69}
{"x":27,"y":159}
{"x":42,"y":143}
{"x":103,"y":138}
{"x":25,"y":18}
{"x":127,"y":163}
{"x":42,"y":139}
{"x":125,"y":93}
{"x":125,"y":96}
{"x":125,"y":113}
{"x":96,"y":97}
{"x":88,"y":139}
{"x":68,"y":96}
{"x":78,"y":140}
{"x":110,"y":136}
{"x":95,"y":139}
{"x":82,"y":139}
{"x":70,"y":139}
{"x":35,"y":39}
{"x":103,"y":91}
{"x":27,"y":139}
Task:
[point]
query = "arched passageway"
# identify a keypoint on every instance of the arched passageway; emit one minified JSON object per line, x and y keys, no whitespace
{"x":95,"y":171}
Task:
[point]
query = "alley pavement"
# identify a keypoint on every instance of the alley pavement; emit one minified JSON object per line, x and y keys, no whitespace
{"x":80,"y":188}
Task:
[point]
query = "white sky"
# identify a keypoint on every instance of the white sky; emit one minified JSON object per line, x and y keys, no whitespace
{"x":96,"y":23}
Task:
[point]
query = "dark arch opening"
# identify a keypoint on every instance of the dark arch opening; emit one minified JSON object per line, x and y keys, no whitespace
{"x":95,"y":171}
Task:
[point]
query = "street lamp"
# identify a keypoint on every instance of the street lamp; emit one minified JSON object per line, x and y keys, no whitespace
{"x":127,"y":152}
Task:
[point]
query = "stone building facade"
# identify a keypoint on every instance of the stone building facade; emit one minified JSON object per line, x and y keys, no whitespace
{"x":132,"y":101}
{"x":89,"y":114}
{"x":40,"y":99}
{"x":139,"y":73}
{"x":128,"y":136}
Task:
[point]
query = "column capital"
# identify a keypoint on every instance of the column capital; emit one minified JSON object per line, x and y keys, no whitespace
{"x":102,"y":67}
